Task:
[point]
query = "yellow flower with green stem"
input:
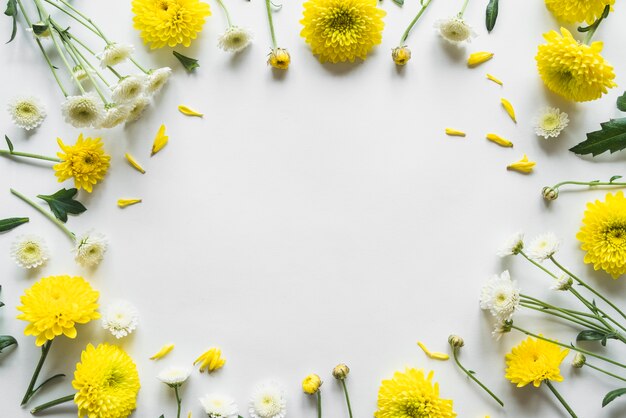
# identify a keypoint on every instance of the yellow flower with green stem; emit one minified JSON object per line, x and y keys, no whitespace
{"x":278,"y":58}
{"x":311,"y":385}
{"x":402,"y":54}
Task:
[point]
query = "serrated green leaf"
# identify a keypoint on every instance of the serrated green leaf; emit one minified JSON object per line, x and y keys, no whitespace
{"x":189,"y":63}
{"x":621,"y":102}
{"x":62,"y":202}
{"x":6,"y":341}
{"x":612,"y":137}
{"x":10,"y":223}
{"x":614,"y":178}
{"x":11,"y":11}
{"x":9,"y":143}
{"x":610,"y":397}
{"x":491,"y":14}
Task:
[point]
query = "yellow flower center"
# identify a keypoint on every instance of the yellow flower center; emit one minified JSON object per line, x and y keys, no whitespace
{"x":615,"y":235}
{"x":26,"y":109}
{"x":550,"y":122}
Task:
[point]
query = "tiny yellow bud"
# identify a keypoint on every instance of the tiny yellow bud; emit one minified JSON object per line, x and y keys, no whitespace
{"x":499,"y":140}
{"x":495,"y":80}
{"x":523,"y":165}
{"x":431,"y":354}
{"x":210,"y":360}
{"x":478,"y":58}
{"x":509,"y":108}
{"x":189,"y":111}
{"x":122,"y":203}
{"x":454,"y":132}
{"x":160,"y":140}
{"x":133,"y":162}
{"x":279,"y":58}
{"x":401,"y":55}
{"x":311,"y":384}
{"x":165,"y":350}
{"x":341,"y":371}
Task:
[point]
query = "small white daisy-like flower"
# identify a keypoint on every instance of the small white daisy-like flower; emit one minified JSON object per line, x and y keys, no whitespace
{"x":129,"y":88}
{"x":90,"y":248}
{"x":80,"y":73}
{"x":500,"y":296}
{"x":157,"y":79}
{"x":29,"y":251}
{"x":235,"y":39}
{"x":219,"y":406}
{"x":137,"y":107}
{"x":120,"y":318}
{"x":455,"y":30}
{"x":114,"y":54}
{"x":549,"y":122}
{"x":501,"y":328}
{"x":543,"y":247}
{"x":268,"y":401}
{"x":174,"y":376}
{"x":83,"y":111}
{"x":564,"y":282}
{"x":115,"y":115}
{"x":27,"y":112}
{"x":512,"y":246}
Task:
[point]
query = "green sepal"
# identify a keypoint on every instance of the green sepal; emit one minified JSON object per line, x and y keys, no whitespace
{"x":6,"y":341}
{"x":62,"y":202}
{"x":612,"y":137}
{"x":189,"y":63}
{"x":621,"y":102}
{"x":11,"y":10}
{"x":10,"y":223}
{"x":614,"y":178}
{"x":9,"y":143}
{"x":612,"y":395}
{"x":491,"y":15}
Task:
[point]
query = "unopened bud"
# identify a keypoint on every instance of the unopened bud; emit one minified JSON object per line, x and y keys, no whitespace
{"x":455,"y":341}
{"x":341,"y":371}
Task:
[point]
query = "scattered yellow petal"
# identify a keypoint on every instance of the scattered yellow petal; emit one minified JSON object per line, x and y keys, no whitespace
{"x":165,"y":350}
{"x":494,"y":79}
{"x":160,"y":140}
{"x":499,"y":140}
{"x":188,"y":111}
{"x":454,"y":132}
{"x":189,"y":415}
{"x":523,"y":165}
{"x":478,"y":58}
{"x":134,"y":163}
{"x":211,"y":360}
{"x":509,"y":108}
{"x":433,"y":355}
{"x":122,"y":203}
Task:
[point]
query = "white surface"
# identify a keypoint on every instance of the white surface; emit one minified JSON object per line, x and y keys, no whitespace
{"x":317,"y":216}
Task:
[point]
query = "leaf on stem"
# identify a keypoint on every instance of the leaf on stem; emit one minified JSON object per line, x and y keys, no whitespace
{"x":10,"y":223}
{"x":612,"y":137}
{"x":62,"y":202}
{"x":492,"y":14}
{"x":6,"y":341}
{"x":9,"y":144}
{"x":621,"y":102}
{"x":11,"y":11}
{"x":612,"y":395}
{"x":399,"y":2}
{"x":189,"y":63}
{"x":614,"y":178}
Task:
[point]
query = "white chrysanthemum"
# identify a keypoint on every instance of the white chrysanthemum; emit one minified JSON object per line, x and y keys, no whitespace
{"x":115,"y":115}
{"x":83,"y":111}
{"x":550,"y":121}
{"x":268,"y":401}
{"x":80,"y":73}
{"x":235,"y":39}
{"x":29,"y":251}
{"x":455,"y":30}
{"x":114,"y":54}
{"x":500,"y":296}
{"x":543,"y":247}
{"x":90,"y":248}
{"x":137,"y":108}
{"x":174,"y":376}
{"x":500,"y":328}
{"x":128,"y":89}
{"x":157,"y":79}
{"x":120,"y":318}
{"x":562,"y":283}
{"x":512,"y":246}
{"x":219,"y":406}
{"x":27,"y":112}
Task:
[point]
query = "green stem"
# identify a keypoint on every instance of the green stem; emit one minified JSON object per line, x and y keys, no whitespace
{"x":87,"y":18}
{"x":576,"y":314}
{"x":29,"y":155}
{"x":62,"y":54}
{"x":591,"y":30}
{"x":600,"y":314}
{"x":605,"y":372}
{"x":221,"y":3}
{"x":93,"y":68}
{"x":268,"y":6}
{"x":566,"y":317}
{"x":138,"y":65}
{"x":178,"y":401}
{"x":587,"y":183}
{"x":86,"y":48}
{"x":462,"y":12}
{"x":29,"y":391}
{"x":58,"y":223}
{"x":50,"y":404}
{"x":73,"y":16}
{"x":345,"y":391}
{"x":319,"y":404}
{"x":405,"y":35}
{"x":560,"y":398}
{"x":471,"y":376}
{"x":538,"y":265}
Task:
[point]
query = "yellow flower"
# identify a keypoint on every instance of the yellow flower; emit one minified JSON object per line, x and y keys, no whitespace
{"x":85,"y":161}
{"x":523,"y":166}
{"x":107,"y":383}
{"x":55,"y":304}
{"x":411,"y":394}
{"x":279,"y":58}
{"x":575,"y":71}
{"x":401,"y":55}
{"x":603,"y":234}
{"x":169,"y":22}
{"x":311,"y":384}
{"x":534,"y":361}
{"x":210,"y":360}
{"x":574,"y":11}
{"x":342,"y":30}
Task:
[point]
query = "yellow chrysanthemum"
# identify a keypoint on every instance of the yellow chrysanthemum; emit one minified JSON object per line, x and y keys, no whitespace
{"x":575,"y":71}
{"x":533,"y":361}
{"x":107,"y":383}
{"x":169,"y":22}
{"x":410,"y":394}
{"x":55,"y":304}
{"x":85,"y":161}
{"x":603,"y":234}
{"x":574,"y":11}
{"x":342,"y":30}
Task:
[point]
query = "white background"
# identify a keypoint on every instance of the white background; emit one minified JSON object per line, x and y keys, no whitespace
{"x":316,"y":216}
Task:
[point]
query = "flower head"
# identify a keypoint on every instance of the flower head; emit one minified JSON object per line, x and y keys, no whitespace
{"x":169,"y":22}
{"x":120,"y":318}
{"x":401,"y":55}
{"x":575,"y":71}
{"x":500,"y":296}
{"x":543,"y":247}
{"x":211,"y":360}
{"x":550,"y":122}
{"x":114,"y":54}
{"x":279,"y":58}
{"x":513,"y":245}
{"x":27,"y":112}
{"x":579,"y":361}
{"x":311,"y":384}
{"x":80,"y":74}
{"x":55,"y":304}
{"x":157,"y":79}
{"x":550,"y":193}
{"x":575,"y":11}
{"x":116,"y":114}
{"x":455,"y":30}
{"x":137,"y":107}
{"x":268,"y":401}
{"x":500,"y":328}
{"x":412,"y":394}
{"x":106,"y":381}
{"x":85,"y":161}
{"x":219,"y":406}
{"x":128,"y":89}
{"x":174,"y":376}
{"x":534,"y":361}
{"x":562,"y":283}
{"x":603,"y":234}
{"x":83,"y":111}
{"x":341,"y":371}
{"x":342,"y":30}
{"x":235,"y":39}
{"x":29,"y":251}
{"x":90,"y":248}
{"x":455,"y":341}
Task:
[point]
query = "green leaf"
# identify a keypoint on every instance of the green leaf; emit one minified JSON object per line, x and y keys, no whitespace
{"x":9,"y":143}
{"x":399,"y":2}
{"x":6,"y":341}
{"x":62,"y":202}
{"x":610,"y":397}
{"x":10,"y":223}
{"x":11,"y":10}
{"x":189,"y":63}
{"x":614,"y":178}
{"x":612,"y":137}
{"x":491,"y":15}
{"x":621,"y":102}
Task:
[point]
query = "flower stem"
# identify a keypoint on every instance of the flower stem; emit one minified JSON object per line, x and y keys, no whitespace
{"x":345,"y":391}
{"x":405,"y":35}
{"x":50,"y":404}
{"x":29,"y":155}
{"x":221,"y":3}
{"x":73,"y":16}
{"x":471,"y":376}
{"x":62,"y":55}
{"x":605,"y":372}
{"x":560,"y":398}
{"x":591,"y":30}
{"x":178,"y":401}
{"x":58,"y":223}
{"x":319,"y":404}
{"x":462,"y":12}
{"x":587,"y":183}
{"x":268,"y":6}
{"x":30,"y":390}
{"x":566,"y":317}
{"x":538,"y":265}
{"x":86,"y":48}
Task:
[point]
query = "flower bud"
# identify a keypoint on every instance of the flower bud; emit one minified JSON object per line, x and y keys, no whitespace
{"x":311,"y":384}
{"x":341,"y":371}
{"x":279,"y":58}
{"x":455,"y":341}
{"x":401,"y":55}
{"x":579,"y":360}
{"x":549,"y":193}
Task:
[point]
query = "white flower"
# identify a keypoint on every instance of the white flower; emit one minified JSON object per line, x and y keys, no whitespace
{"x":128,"y":88}
{"x":27,"y":112}
{"x":120,"y":318}
{"x":114,"y":54}
{"x":157,"y":79}
{"x":115,"y":114}
{"x":543,"y":247}
{"x":235,"y":39}
{"x":219,"y":406}
{"x":500,"y":296}
{"x":501,"y":328}
{"x":174,"y":376}
{"x":83,"y":111}
{"x":137,"y":108}
{"x":562,"y":283}
{"x":268,"y":401}
{"x":80,"y":73}
{"x":29,"y":251}
{"x":90,"y":249}
{"x":455,"y":30}
{"x":549,"y":122}
{"x":512,"y":246}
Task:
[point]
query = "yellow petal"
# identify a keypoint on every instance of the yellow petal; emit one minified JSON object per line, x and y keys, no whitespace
{"x":523,"y":166}
{"x":509,"y":108}
{"x":122,"y":203}
{"x":499,"y":140}
{"x":454,"y":132}
{"x":134,"y":163}
{"x":160,"y":140}
{"x":433,"y":355}
{"x":478,"y":58}
{"x":188,"y":111}
{"x":165,"y":350}
{"x":494,"y":79}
